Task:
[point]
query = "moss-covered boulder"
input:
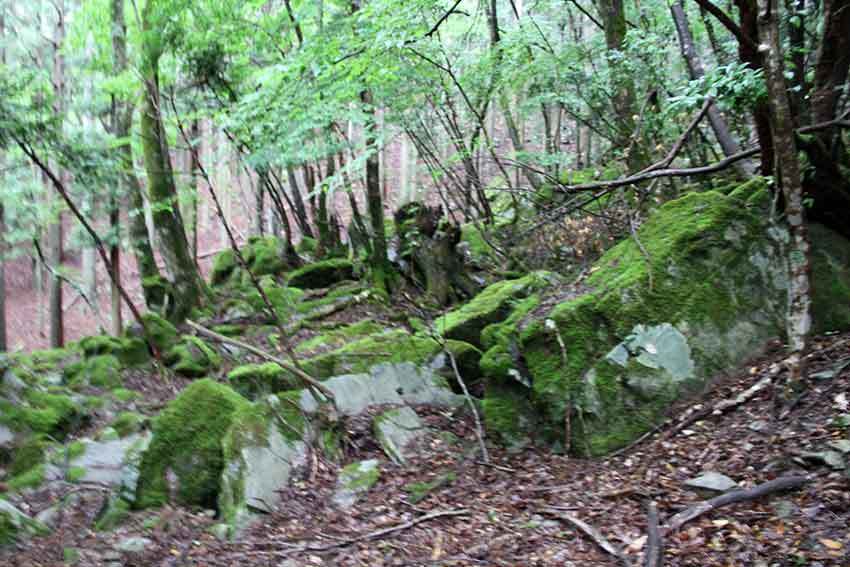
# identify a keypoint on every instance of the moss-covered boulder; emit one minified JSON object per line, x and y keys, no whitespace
{"x":263,"y":447}
{"x":185,"y":457}
{"x":41,"y":412}
{"x":257,"y":380}
{"x":490,"y":306}
{"x":16,"y":526}
{"x":322,"y":274}
{"x":192,"y":357}
{"x":704,"y":290}
{"x":354,"y":481}
{"x":224,"y":264}
{"x":161,"y":332}
{"x":266,"y":255}
{"x":100,"y":371}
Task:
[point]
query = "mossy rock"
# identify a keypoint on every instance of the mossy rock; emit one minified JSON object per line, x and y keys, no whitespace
{"x":126,"y":423}
{"x":396,"y":345}
{"x":307,"y":245}
{"x":284,"y":299}
{"x":157,"y":291}
{"x":41,"y":412}
{"x":113,"y":514}
{"x":322,"y":274}
{"x":100,"y":371}
{"x":830,"y":279}
{"x":266,"y":255}
{"x":192,"y":357}
{"x":187,"y":438}
{"x":264,"y":445}
{"x":30,"y":454}
{"x":490,"y":306}
{"x":508,"y":416}
{"x":162,"y":332}
{"x":256,"y":380}
{"x":16,"y":526}
{"x":339,"y":336}
{"x":706,"y":288}
{"x":224,"y":265}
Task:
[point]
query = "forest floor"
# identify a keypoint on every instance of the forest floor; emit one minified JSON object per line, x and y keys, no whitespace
{"x":506,"y":513}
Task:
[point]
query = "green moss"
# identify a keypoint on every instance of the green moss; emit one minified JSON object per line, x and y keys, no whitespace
{"x":32,"y":478}
{"x":255,"y":380}
{"x":497,"y":362}
{"x":31,"y":454}
{"x":229,"y":330}
{"x":307,"y":245}
{"x":75,"y":449}
{"x":192,"y":357}
{"x":330,"y":441}
{"x":127,"y":422}
{"x":115,"y":513}
{"x":70,"y":556}
{"x":339,"y":336}
{"x":507,"y":417}
{"x":124,"y":395}
{"x":187,"y":441}
{"x":99,"y":344}
{"x":75,"y":474}
{"x":358,"y":478}
{"x":266,"y":255}
{"x":283,"y":299}
{"x":358,"y":356}
{"x":100,"y":371}
{"x":322,"y":274}
{"x":43,"y":413}
{"x":418,"y":491}
{"x":157,"y":290}
{"x":224,"y":264}
{"x":161,"y":332}
{"x":490,"y":306}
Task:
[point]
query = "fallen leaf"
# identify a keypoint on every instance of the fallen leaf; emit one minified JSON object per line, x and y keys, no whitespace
{"x":831,"y":543}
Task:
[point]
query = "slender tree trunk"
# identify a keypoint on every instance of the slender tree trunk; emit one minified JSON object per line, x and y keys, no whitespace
{"x":695,"y":69}
{"x":3,"y":340}
{"x":788,"y":172}
{"x":379,"y":262}
{"x":183,"y":273}
{"x":54,"y":231}
{"x":140,"y":239}
{"x":300,"y":211}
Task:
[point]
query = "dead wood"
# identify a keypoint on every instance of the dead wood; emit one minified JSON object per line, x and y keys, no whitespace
{"x":764,"y":489}
{"x":590,"y":532}
{"x":654,"y":556}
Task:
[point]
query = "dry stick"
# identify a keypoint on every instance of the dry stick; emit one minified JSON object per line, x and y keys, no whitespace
{"x":590,"y":532}
{"x":378,"y":533}
{"x":694,"y":512}
{"x":262,"y":354}
{"x":654,"y":556}
{"x":479,"y":430}
{"x":101,"y":249}
{"x":311,"y":383}
{"x":677,"y":147}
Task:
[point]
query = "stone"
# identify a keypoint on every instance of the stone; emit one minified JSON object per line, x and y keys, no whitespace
{"x":832,"y":459}
{"x":396,"y":430}
{"x":7,"y":437}
{"x":840,"y":445}
{"x":385,"y":384}
{"x":105,"y":461}
{"x":355,"y":480}
{"x":322,"y":274}
{"x":133,"y":544}
{"x":15,"y":525}
{"x":758,"y":425}
{"x":713,"y":482}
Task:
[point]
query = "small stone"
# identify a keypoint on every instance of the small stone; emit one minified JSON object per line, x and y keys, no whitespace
{"x":758,"y":425}
{"x":712,"y":481}
{"x":784,"y":509}
{"x":832,"y":459}
{"x":133,"y":544}
{"x":840,"y":445}
{"x":220,"y":531}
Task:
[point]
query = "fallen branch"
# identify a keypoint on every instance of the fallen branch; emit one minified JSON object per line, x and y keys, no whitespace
{"x":262,"y":354}
{"x":694,"y":512}
{"x":654,"y":555}
{"x":376,"y":534}
{"x":479,"y":430}
{"x":590,"y":532}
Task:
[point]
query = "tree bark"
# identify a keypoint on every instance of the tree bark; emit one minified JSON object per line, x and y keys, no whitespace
{"x":788,"y":173}
{"x":381,"y":271}
{"x":54,"y":231}
{"x":696,"y":71}
{"x":183,"y":273}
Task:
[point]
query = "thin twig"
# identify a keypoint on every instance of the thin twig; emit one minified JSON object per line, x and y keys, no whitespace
{"x":590,"y":532}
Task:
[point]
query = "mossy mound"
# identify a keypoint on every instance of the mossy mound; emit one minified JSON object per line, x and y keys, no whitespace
{"x":284,"y":299}
{"x":192,"y":357}
{"x":126,"y":423}
{"x":264,"y":256}
{"x":490,"y":306}
{"x":256,"y":380}
{"x":15,"y":525}
{"x":41,"y":412}
{"x":131,"y":351}
{"x":322,"y":274}
{"x":339,"y":336}
{"x":224,"y":264}
{"x":187,"y":442}
{"x":161,"y":332}
{"x":100,"y":371}
{"x":706,"y":288}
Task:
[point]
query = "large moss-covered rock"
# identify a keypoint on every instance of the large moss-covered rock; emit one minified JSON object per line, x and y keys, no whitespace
{"x":15,"y":525}
{"x":161,"y":332}
{"x":265,"y":444}
{"x":224,"y":264}
{"x":322,"y":274}
{"x":192,"y":357}
{"x":704,"y":290}
{"x":185,"y":455}
{"x":100,"y":371}
{"x":490,"y":306}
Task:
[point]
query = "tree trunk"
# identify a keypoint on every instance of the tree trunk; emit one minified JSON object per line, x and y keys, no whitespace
{"x":613,"y":17}
{"x":301,"y":218}
{"x":185,"y":280}
{"x":54,"y":231}
{"x":788,"y":172}
{"x":381,"y":271}
{"x":3,"y":341}
{"x":695,"y":69}
{"x":140,"y":240}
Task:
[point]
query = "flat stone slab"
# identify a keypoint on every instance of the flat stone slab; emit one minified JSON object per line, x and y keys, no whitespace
{"x":268,"y":469}
{"x":396,"y":430}
{"x":385,"y":384}
{"x":712,"y":481}
{"x":105,"y":461}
